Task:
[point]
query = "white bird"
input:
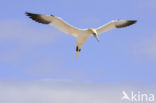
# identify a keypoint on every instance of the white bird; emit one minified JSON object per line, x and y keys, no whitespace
{"x":81,"y":34}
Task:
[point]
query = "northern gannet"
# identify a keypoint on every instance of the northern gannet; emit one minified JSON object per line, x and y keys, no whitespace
{"x":81,"y":34}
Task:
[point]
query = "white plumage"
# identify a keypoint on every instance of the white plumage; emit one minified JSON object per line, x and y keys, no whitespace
{"x":81,"y":34}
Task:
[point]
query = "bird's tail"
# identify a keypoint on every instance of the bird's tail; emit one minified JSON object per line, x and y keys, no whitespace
{"x":77,"y":54}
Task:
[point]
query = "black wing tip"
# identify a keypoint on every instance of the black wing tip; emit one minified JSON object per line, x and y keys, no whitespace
{"x":29,"y":14}
{"x":37,"y":18}
{"x":132,"y":21}
{"x":128,"y":23}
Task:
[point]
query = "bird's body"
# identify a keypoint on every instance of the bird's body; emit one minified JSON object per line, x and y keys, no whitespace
{"x":81,"y":34}
{"x":81,"y":39}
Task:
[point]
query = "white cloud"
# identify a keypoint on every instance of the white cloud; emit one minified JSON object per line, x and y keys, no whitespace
{"x":50,"y":91}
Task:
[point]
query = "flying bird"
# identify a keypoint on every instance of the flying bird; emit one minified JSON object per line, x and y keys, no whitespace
{"x":81,"y":34}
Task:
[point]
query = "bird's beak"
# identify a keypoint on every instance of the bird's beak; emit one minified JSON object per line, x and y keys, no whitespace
{"x":96,"y":36}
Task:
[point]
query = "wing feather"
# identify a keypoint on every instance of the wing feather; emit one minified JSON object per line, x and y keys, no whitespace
{"x":55,"y":22}
{"x":115,"y":24}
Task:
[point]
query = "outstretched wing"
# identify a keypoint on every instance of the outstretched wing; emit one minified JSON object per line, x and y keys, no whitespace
{"x":115,"y":24}
{"x":56,"y":22}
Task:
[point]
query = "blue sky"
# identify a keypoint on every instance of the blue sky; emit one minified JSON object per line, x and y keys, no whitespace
{"x":33,"y":52}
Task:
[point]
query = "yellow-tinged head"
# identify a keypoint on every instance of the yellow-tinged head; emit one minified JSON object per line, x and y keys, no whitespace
{"x":93,"y":31}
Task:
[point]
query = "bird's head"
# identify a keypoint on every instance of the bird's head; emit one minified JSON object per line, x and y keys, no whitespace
{"x":94,"y":33}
